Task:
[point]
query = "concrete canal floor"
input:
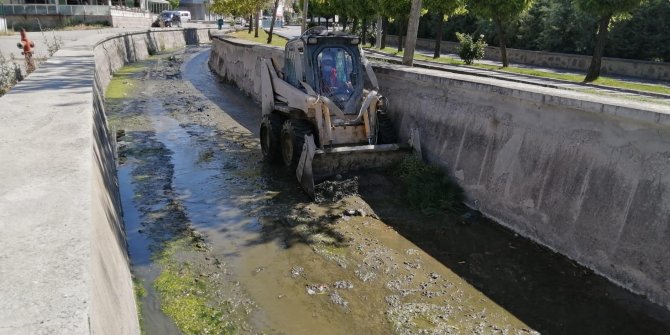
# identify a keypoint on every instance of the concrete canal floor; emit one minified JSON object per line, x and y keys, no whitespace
{"x":222,"y":243}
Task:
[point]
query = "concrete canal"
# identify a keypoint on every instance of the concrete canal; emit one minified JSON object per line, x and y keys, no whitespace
{"x":221,"y":243}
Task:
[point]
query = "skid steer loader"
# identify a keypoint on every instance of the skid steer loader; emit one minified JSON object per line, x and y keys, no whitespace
{"x":323,"y":113}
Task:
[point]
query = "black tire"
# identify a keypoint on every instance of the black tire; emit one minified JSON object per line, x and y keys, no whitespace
{"x":292,"y":139}
{"x":270,"y":134}
{"x":385,"y":131}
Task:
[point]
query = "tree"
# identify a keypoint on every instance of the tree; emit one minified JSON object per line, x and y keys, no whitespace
{"x":605,"y":10}
{"x":272,"y":23}
{"x":412,"y":30}
{"x":246,"y":8}
{"x":398,"y":11}
{"x":644,"y":35}
{"x":502,"y":12}
{"x":443,"y":9}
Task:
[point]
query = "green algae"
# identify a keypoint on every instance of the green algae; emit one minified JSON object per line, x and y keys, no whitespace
{"x":186,"y":295}
{"x":140,"y":293}
{"x":124,"y":82}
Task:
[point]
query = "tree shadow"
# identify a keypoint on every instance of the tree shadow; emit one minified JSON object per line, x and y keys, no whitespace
{"x":544,"y":289}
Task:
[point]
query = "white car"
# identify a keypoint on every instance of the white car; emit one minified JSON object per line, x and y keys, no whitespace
{"x":185,"y":15}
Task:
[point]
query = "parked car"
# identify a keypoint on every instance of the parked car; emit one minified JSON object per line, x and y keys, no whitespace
{"x":185,"y":15}
{"x":168,"y":19}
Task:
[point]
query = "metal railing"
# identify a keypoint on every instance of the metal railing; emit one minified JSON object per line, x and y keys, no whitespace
{"x":40,"y":9}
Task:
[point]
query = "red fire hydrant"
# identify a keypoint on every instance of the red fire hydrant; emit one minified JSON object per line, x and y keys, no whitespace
{"x":27,"y":46}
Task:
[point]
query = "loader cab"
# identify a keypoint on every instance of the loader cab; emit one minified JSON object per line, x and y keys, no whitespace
{"x":330,"y":63}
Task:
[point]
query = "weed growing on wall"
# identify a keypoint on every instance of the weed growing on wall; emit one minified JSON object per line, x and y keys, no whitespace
{"x":10,"y":74}
{"x":428,"y":188}
{"x":53,"y":43}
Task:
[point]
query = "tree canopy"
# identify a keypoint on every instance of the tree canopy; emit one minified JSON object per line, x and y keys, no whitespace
{"x":605,"y":10}
{"x":502,"y":12}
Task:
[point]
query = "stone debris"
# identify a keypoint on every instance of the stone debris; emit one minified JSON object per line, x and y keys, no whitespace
{"x":297,"y":271}
{"x":355,"y":212}
{"x":317,"y":289}
{"x":337,"y":299}
{"x":365,"y":276}
{"x":412,"y":265}
{"x":343,"y":284}
{"x":331,"y":191}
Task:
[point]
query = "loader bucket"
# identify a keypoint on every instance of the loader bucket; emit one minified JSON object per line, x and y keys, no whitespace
{"x":317,"y":165}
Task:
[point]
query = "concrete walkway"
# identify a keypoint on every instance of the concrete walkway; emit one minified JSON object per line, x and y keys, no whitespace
{"x":622,"y":93}
{"x":63,"y":263}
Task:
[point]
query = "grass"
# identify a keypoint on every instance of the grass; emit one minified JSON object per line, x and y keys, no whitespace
{"x":262,"y":37}
{"x":124,"y":81}
{"x":575,"y":78}
{"x":85,"y":26}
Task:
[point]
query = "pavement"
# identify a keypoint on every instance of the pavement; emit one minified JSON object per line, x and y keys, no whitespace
{"x":9,"y":49}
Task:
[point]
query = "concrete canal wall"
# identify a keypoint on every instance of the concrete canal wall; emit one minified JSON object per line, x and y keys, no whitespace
{"x":64,"y":267}
{"x":585,"y":175}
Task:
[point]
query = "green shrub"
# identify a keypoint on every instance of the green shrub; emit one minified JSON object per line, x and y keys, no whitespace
{"x":469,"y":50}
{"x":428,"y":188}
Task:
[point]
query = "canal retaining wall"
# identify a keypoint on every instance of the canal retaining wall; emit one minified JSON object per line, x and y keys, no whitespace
{"x":585,"y":175}
{"x":64,"y":267}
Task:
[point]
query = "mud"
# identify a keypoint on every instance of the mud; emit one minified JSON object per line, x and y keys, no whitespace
{"x":249,"y":253}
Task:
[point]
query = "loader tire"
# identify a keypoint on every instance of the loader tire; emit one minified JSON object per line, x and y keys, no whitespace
{"x":385,"y":131}
{"x":292,"y":139}
{"x":270,"y":138}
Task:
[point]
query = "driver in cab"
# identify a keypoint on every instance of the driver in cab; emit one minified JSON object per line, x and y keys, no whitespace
{"x":333,"y":77}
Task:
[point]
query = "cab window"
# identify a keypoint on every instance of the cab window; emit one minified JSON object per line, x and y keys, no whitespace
{"x":336,"y":70}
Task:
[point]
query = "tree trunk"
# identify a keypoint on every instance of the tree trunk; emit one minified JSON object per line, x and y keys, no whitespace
{"x":502,"y":39}
{"x":251,"y":23}
{"x":412,"y":32}
{"x":257,"y":18}
{"x":401,"y":34}
{"x":272,"y":23}
{"x":385,"y":32}
{"x":345,"y":22}
{"x":305,"y":8}
{"x":378,"y":31}
{"x":364,"y":31}
{"x":354,"y":25}
{"x":438,"y":36}
{"x":596,"y":61}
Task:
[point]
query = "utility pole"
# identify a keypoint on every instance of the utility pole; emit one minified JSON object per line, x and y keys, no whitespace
{"x":305,"y":7}
{"x":412,"y":31}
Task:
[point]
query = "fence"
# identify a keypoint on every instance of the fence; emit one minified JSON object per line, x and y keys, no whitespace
{"x":67,"y":10}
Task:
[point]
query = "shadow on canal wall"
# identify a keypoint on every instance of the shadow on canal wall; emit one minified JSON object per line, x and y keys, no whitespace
{"x":64,"y":266}
{"x":586,"y":176}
